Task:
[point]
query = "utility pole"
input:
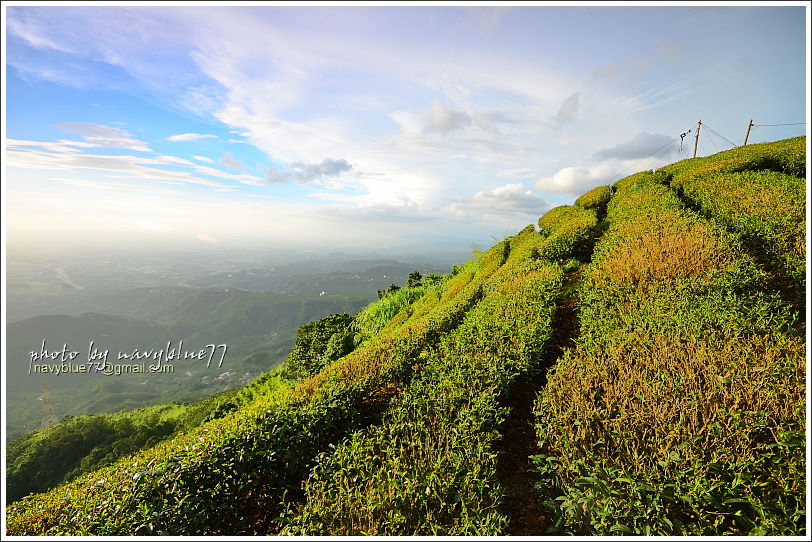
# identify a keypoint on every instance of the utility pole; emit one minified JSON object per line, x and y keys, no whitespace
{"x":696,"y":139}
{"x":747,"y":134}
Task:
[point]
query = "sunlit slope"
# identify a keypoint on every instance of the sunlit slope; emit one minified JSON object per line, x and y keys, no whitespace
{"x":429,"y":467}
{"x":680,"y":409}
{"x":231,"y":472}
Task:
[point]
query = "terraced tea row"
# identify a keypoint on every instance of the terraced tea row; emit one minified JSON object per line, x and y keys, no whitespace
{"x":748,"y":193}
{"x":429,"y":468}
{"x":223,"y":475}
{"x":681,"y":410}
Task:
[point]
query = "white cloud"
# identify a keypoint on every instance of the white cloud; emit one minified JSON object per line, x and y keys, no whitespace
{"x":37,"y":155}
{"x":521,"y":173}
{"x":175,"y":160}
{"x":509,"y":199}
{"x":203,"y":159}
{"x":409,"y":123}
{"x":116,"y":186}
{"x":207,"y":238}
{"x":487,"y":18}
{"x":33,"y":34}
{"x":649,"y":99}
{"x":229,"y":161}
{"x":400,"y":210}
{"x":642,"y":145}
{"x":308,"y":173}
{"x":190,"y":137}
{"x":443,"y":120}
{"x":149,"y":224}
{"x":576,"y":180}
{"x":99,"y":135}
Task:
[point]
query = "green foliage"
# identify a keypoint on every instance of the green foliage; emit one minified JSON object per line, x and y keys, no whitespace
{"x":767,"y":209}
{"x":390,"y":290}
{"x":414,"y":279}
{"x":569,"y":232}
{"x":681,"y":410}
{"x":63,"y":451}
{"x":552,"y":217}
{"x":318,"y":343}
{"x":198,"y":482}
{"x":375,"y":316}
{"x":597,"y":198}
{"x":429,"y":468}
{"x":787,"y":156}
{"x":77,"y":445}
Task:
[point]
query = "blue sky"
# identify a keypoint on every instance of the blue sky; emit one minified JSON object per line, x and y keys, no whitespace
{"x":369,"y":126}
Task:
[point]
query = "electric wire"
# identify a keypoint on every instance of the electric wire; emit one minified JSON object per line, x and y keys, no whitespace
{"x":718,"y":134}
{"x":713,"y":142}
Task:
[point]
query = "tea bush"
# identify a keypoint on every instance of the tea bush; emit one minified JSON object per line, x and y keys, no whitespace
{"x":76,"y":445}
{"x":429,"y":468}
{"x":787,"y":156}
{"x":569,"y":231}
{"x":767,"y":209}
{"x":681,"y":409}
{"x":597,"y":198}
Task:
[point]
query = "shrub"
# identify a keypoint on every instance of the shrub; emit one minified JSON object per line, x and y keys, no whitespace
{"x":552,"y":217}
{"x":429,"y":468}
{"x":681,"y":410}
{"x":318,"y":343}
{"x":597,"y":198}
{"x":767,"y":209}
{"x":569,"y":231}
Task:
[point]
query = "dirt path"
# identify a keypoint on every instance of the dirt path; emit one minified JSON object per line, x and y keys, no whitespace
{"x":522,"y":503}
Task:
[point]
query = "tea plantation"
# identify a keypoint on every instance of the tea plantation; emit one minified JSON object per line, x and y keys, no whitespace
{"x":659,"y":324}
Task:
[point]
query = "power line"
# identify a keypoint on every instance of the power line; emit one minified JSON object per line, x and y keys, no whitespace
{"x":712,"y":141}
{"x":720,"y":135}
{"x":782,"y":124}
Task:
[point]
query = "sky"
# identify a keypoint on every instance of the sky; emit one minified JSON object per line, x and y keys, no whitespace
{"x":367,"y":126}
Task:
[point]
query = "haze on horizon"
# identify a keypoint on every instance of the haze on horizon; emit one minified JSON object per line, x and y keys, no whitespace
{"x":163,"y":126}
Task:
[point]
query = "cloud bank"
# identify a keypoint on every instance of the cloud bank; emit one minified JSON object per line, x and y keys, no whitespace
{"x":302,"y":173}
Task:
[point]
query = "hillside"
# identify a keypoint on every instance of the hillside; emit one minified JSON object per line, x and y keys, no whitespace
{"x":258,"y":328}
{"x":636,"y":365}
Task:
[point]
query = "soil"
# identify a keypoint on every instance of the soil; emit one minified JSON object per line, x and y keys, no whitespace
{"x":522,"y":502}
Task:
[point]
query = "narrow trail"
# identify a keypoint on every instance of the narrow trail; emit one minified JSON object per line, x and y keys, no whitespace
{"x":522,"y":503}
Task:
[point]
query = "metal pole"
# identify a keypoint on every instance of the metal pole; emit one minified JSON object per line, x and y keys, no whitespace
{"x":696,"y":139}
{"x":746,"y":135}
